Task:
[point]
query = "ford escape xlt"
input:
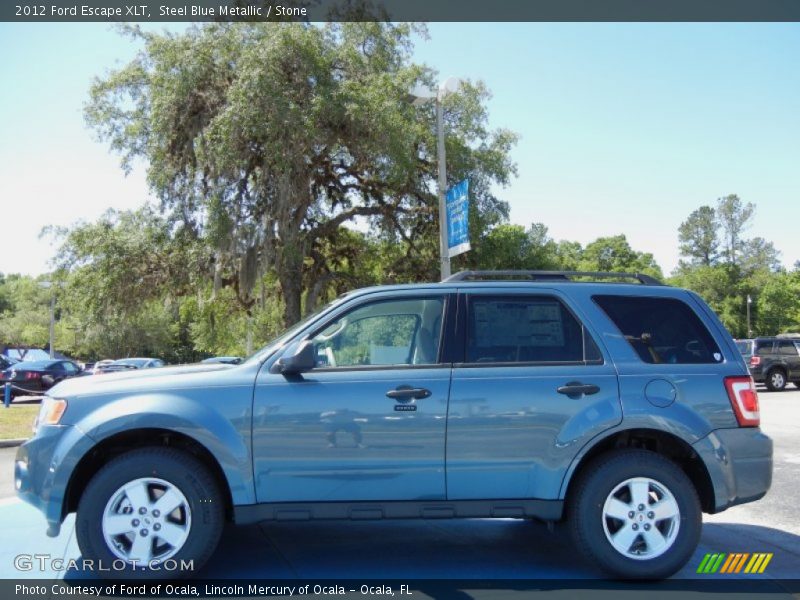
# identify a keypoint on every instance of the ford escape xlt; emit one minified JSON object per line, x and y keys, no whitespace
{"x":624,"y":408}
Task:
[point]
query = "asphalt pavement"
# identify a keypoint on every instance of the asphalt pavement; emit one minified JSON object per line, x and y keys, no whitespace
{"x":477,"y":549}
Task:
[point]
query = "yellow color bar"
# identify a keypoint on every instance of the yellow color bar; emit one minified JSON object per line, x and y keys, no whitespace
{"x":765,"y":563}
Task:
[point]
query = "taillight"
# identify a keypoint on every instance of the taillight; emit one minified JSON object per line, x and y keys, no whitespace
{"x":32,"y":375}
{"x":755,"y":361}
{"x":744,"y":400}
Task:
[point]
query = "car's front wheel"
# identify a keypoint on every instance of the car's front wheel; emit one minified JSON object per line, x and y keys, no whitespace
{"x":635,"y":514}
{"x":154,"y":511}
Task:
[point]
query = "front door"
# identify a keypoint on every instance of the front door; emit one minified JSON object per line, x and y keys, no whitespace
{"x":368,"y":422}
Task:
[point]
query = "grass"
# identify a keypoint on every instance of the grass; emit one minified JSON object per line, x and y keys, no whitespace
{"x":16,"y":421}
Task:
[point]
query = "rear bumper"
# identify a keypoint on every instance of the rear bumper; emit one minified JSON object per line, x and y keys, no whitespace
{"x":739,"y":462}
{"x":757,"y":373}
{"x":20,"y":388}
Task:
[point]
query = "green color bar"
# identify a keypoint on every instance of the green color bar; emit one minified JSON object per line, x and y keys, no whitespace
{"x":718,"y":563}
{"x":703,"y":563}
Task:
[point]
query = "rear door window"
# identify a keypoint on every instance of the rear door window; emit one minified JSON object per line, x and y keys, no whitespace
{"x":764,"y":348}
{"x":787,"y":348}
{"x":661,"y":330}
{"x":526,"y":329}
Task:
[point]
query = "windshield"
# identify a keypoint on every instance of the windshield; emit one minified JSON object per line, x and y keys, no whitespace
{"x":744,"y":347}
{"x":288,"y":334}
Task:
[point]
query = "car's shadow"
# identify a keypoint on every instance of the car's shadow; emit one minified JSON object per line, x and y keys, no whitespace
{"x":474,"y":549}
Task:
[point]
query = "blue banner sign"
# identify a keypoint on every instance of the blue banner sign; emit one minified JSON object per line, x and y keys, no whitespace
{"x":457,"y":198}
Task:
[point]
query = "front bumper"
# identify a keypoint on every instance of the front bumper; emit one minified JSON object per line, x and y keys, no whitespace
{"x":43,"y":467}
{"x":739,"y":462}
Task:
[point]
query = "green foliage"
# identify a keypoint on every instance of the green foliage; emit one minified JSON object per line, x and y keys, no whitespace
{"x":698,"y":238}
{"x":733,"y":218}
{"x":778,"y":305}
{"x":25,"y":318}
{"x":725,"y":267}
{"x":615,"y":254}
{"x":512,"y":247}
{"x":263,"y":139}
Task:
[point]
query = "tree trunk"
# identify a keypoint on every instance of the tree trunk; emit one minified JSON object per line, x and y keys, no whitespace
{"x":290,"y":276}
{"x":292,"y":288}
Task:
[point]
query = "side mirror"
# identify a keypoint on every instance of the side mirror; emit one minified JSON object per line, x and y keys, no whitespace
{"x":296,"y":359}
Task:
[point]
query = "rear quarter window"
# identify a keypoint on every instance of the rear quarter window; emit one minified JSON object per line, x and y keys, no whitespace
{"x":661,"y":330}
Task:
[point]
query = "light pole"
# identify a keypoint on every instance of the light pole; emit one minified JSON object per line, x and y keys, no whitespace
{"x":749,"y":329}
{"x":422,"y":95}
{"x":49,"y":285}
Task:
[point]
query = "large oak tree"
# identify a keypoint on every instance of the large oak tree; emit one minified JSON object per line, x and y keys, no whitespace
{"x":264,"y":140}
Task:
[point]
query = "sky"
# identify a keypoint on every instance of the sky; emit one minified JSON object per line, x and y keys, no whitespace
{"x":624,"y":128}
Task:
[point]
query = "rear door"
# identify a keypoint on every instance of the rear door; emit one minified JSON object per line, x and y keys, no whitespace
{"x":787,"y":350}
{"x":532,"y":388}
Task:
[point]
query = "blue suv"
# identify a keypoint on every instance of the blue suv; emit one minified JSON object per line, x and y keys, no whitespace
{"x":608,"y":400}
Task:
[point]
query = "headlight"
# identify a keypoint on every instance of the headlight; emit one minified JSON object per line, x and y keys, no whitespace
{"x":50,"y":413}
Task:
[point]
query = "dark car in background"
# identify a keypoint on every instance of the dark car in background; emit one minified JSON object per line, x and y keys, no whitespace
{"x":773,"y":361}
{"x":7,"y":361}
{"x":37,"y":376}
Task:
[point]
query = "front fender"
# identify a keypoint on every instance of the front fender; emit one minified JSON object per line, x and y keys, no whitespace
{"x":221,"y":426}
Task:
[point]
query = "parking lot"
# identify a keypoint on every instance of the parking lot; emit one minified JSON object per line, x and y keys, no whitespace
{"x":459,"y":549}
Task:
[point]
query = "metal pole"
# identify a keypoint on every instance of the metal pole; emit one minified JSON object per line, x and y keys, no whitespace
{"x":443,"y":250}
{"x":749,"y":329}
{"x":7,"y":394}
{"x":52,"y":321}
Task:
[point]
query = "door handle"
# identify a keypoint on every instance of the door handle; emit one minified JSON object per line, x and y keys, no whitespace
{"x":576,"y":389}
{"x":404,"y":393}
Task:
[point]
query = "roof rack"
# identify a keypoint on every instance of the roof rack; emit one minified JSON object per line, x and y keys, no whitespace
{"x":550,"y":276}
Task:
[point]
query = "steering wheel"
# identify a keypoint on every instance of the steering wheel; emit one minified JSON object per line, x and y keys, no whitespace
{"x":329,"y":356}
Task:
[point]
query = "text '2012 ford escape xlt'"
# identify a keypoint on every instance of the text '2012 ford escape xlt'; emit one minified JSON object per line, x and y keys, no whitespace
{"x":624,"y":408}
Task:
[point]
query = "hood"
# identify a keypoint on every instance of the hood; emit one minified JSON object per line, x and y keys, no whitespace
{"x":136,"y":380}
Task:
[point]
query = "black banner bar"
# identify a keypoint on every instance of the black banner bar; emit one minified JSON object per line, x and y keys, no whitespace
{"x":397,"y":10}
{"x":438,"y":589}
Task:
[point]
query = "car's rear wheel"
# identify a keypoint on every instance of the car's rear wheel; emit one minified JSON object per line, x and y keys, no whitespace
{"x":776,"y":380}
{"x":635,"y":514}
{"x":151,"y":512}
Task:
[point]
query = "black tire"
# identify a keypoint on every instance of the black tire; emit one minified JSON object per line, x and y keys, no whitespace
{"x":179,"y":469}
{"x":776,"y":380}
{"x":588,"y":526}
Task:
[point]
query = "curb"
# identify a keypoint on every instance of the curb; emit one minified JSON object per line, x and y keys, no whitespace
{"x":12,"y":443}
